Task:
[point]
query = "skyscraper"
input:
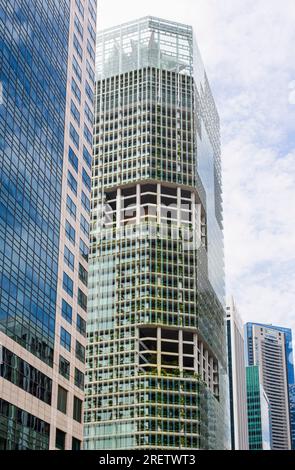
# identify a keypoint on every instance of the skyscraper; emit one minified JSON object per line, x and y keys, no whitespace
{"x":258,"y":411}
{"x":47,"y":81}
{"x":292,"y":413}
{"x":237,"y":378}
{"x":156,"y":360}
{"x":270,"y":348}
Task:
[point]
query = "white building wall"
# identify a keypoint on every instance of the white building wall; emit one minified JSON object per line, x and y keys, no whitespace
{"x":238,"y":372}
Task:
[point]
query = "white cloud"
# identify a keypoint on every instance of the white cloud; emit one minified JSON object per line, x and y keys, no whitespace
{"x":248,"y":50}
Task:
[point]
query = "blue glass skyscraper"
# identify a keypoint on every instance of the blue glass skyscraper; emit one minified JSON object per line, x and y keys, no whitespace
{"x":47,"y":68}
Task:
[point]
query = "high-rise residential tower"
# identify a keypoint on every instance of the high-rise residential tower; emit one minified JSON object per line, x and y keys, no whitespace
{"x":270,"y":348}
{"x":258,"y":411}
{"x":237,"y":378}
{"x":156,"y":359}
{"x":47,"y":80}
{"x":292,"y":413}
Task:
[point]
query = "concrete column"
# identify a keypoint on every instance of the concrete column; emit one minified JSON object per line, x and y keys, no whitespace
{"x":194,"y":224}
{"x":211,"y":373}
{"x":198,"y":224}
{"x":206,"y":366}
{"x":137,"y":204}
{"x":196,"y":365}
{"x":159,"y":350}
{"x":178,"y":207}
{"x":158,"y":203}
{"x":180,"y":350}
{"x":201,"y":359}
{"x":119,"y":204}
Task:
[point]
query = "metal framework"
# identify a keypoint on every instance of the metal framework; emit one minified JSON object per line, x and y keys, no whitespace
{"x":156,"y":342}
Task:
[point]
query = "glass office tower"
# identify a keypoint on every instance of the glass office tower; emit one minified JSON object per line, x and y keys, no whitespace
{"x":258,"y":411}
{"x":156,"y":360}
{"x":46,"y":118}
{"x":270,"y":348}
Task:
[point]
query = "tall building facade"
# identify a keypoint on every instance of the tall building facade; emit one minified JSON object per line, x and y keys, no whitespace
{"x":292,"y":413}
{"x":270,"y":348}
{"x":156,"y":358}
{"x":237,"y":378}
{"x":47,"y":65}
{"x":258,"y":408}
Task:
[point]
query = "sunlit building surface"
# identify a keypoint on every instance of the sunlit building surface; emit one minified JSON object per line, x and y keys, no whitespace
{"x":156,"y":359}
{"x":46,"y":98}
{"x":237,"y":378}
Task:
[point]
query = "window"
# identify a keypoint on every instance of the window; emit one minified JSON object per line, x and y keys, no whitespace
{"x":75,"y":113}
{"x":87,"y":135}
{"x":73,"y":159}
{"x":69,"y":258}
{"x":68,"y":284}
{"x":89,"y":115}
{"x":76,"y":444}
{"x":81,"y":325}
{"x":83,"y":274}
{"x":71,"y":207}
{"x":60,"y":439}
{"x":77,"y":69}
{"x":84,"y":226}
{"x":22,"y":374}
{"x":74,"y":136}
{"x":78,"y":47}
{"x":80,"y":7}
{"x":87,"y":157}
{"x":62,"y":397}
{"x":76,"y":90}
{"x":90,"y":51}
{"x":85,"y":202}
{"x":72,"y":182}
{"x":80,"y":352}
{"x":86,"y":179}
{"x":78,"y":26}
{"x":79,"y":379}
{"x":65,"y":339}
{"x":92,"y":11}
{"x":66,"y":311}
{"x":77,"y":410}
{"x":84,"y":250}
{"x":82,"y":299}
{"x":64,"y":367}
{"x":91,"y":31}
{"x":89,"y":91}
{"x":70,"y":232}
{"x":90,"y":71}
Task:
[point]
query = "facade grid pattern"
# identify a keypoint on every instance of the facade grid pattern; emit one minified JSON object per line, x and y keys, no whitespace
{"x":156,"y":341}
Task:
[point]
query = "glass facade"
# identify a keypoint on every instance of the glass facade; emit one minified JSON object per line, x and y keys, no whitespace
{"x":42,"y":178}
{"x":19,"y":430}
{"x":258,"y":412}
{"x":32,"y":114}
{"x":156,"y":357}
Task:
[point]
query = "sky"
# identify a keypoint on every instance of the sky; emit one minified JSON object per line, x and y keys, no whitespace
{"x":248,"y":51}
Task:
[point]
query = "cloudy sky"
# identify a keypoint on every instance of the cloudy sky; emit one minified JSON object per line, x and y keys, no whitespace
{"x":248,"y":50}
